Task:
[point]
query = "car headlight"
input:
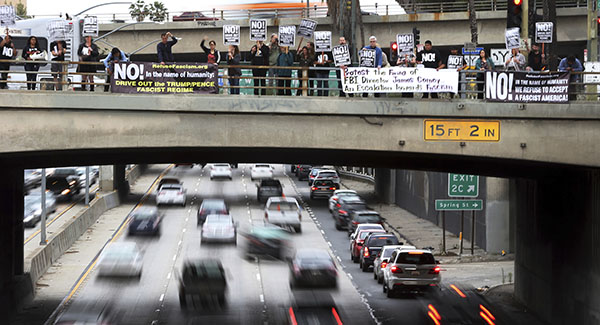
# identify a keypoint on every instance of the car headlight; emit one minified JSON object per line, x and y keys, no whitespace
{"x":72,"y":182}
{"x":65,"y":192}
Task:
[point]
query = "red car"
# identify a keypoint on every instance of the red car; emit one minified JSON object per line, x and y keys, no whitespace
{"x":357,"y":242}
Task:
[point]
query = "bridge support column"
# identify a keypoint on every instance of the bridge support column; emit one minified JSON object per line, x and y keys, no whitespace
{"x":120,"y":182}
{"x":385,"y":185}
{"x":106,"y":178}
{"x":497,"y":218}
{"x":15,"y":287}
{"x":557,"y":264}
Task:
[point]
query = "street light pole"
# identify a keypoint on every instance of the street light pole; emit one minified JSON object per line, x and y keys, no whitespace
{"x":100,"y":5}
{"x":43,"y":202}
{"x":87,"y":185}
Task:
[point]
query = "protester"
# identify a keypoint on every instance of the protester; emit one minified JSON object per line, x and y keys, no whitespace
{"x":407,"y":61}
{"x":234,"y":58}
{"x":273,"y":57}
{"x":164,"y":49}
{"x":378,"y":57}
{"x":259,"y":55}
{"x":312,"y":73}
{"x":338,"y":71}
{"x":58,"y":49}
{"x":8,"y":53}
{"x":536,"y":60}
{"x":571,"y":64}
{"x":455,"y":61}
{"x":323,"y":60}
{"x":516,"y":62}
{"x":285,"y":59}
{"x":32,"y":48}
{"x":385,"y":63}
{"x":304,"y":60}
{"x":430,"y":58}
{"x":483,"y":63}
{"x":212,"y":54}
{"x":88,"y":52}
{"x":115,"y":56}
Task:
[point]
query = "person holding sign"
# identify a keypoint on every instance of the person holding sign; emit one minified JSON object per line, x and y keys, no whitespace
{"x":483,"y":63}
{"x":58,"y":49}
{"x":164,"y":49}
{"x":455,"y":61}
{"x":285,"y":59}
{"x":536,"y":60}
{"x":516,"y":62}
{"x":234,"y":58}
{"x":378,"y":57}
{"x":259,"y":55}
{"x":338,"y":72}
{"x":8,"y":53}
{"x":273,"y":57}
{"x":430,"y":58}
{"x":324,"y":60}
{"x":88,"y":52}
{"x":32,"y":48}
{"x":212,"y":54}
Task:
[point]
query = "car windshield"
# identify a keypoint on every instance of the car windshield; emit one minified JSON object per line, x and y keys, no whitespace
{"x":262,"y":166}
{"x":344,"y":193}
{"x":171,"y":187}
{"x":283,"y":206}
{"x":221,"y":165}
{"x":314,"y":172}
{"x":387,"y":252}
{"x":368,"y":218}
{"x":383,"y":240}
{"x":415,"y":258}
{"x":144,"y":215}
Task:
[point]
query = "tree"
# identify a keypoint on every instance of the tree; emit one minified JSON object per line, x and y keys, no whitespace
{"x":550,"y":15}
{"x":473,"y":21}
{"x":21,"y":11}
{"x":138,"y":10}
{"x":157,"y":12}
{"x":341,"y":13}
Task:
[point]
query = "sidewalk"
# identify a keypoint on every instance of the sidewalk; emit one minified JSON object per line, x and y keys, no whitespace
{"x":420,"y":232}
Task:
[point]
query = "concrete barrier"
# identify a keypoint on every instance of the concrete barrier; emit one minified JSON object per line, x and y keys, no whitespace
{"x":132,"y":174}
{"x":38,"y":262}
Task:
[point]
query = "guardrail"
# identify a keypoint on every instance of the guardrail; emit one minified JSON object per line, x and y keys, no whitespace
{"x":356,"y":174}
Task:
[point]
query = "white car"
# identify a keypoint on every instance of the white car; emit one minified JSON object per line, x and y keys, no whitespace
{"x":261,"y":171}
{"x":121,"y":259}
{"x":336,"y":195}
{"x":382,"y":259}
{"x":328,"y":174}
{"x":284,"y":212}
{"x":219,"y":228}
{"x":411,"y":270}
{"x":362,"y":226}
{"x":171,"y":194}
{"x":220,"y":170}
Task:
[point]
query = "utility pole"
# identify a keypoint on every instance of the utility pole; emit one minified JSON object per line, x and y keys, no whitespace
{"x":353,"y":27}
{"x":525,"y":20}
{"x":592,"y":40}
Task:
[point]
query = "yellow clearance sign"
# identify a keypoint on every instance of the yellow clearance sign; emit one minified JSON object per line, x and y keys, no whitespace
{"x":461,"y":130}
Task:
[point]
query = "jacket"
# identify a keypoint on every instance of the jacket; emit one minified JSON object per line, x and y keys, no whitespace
{"x":285,"y":60}
{"x":164,"y":51}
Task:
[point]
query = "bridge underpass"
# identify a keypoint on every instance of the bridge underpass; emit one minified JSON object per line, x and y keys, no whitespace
{"x":554,"y":190}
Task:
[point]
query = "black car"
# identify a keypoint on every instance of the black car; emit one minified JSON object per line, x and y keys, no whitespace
{"x":145,"y":221}
{"x":204,"y":279}
{"x":345,"y":206}
{"x":268,"y":188}
{"x":63,"y":183}
{"x":211,"y":206}
{"x":322,"y":188}
{"x":302,"y":171}
{"x":365,"y":216}
{"x":372,"y":246}
{"x":313,"y":268}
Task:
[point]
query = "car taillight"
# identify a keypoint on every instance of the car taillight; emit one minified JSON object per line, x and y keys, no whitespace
{"x":354,"y":222}
{"x":338,"y":205}
{"x":335,"y":198}
{"x":314,"y":188}
{"x":202,"y":211}
{"x":332,"y":188}
{"x":396,"y":269}
{"x":383,"y":264}
{"x":366,"y":253}
{"x":344,"y":212}
{"x":435,"y":270}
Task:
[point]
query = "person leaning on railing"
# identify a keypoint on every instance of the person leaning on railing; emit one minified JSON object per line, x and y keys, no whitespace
{"x":285,"y":59}
{"x":571,"y":64}
{"x":115,"y":56}
{"x":31,"y":49}
{"x":234,"y":58}
{"x":483,"y":63}
{"x":8,"y":53}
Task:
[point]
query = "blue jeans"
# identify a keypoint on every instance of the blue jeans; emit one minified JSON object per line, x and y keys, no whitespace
{"x":234,"y":82}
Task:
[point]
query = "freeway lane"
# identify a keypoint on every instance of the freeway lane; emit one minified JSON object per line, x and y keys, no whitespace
{"x":258,"y":288}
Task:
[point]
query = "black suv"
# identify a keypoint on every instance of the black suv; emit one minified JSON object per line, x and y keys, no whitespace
{"x":268,"y":188}
{"x":302,"y":172}
{"x":204,"y":279}
{"x":372,"y":246}
{"x":343,"y":208}
{"x":363,"y":216}
{"x":64,"y":183}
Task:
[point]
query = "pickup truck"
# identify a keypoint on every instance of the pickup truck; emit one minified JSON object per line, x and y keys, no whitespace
{"x":268,"y":188}
{"x":284,"y":212}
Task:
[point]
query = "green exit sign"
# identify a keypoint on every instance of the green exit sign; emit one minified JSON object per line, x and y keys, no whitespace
{"x":458,"y":205}
{"x":462,"y":185}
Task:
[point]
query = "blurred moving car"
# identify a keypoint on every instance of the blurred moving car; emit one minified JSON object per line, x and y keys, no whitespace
{"x":284,"y":212}
{"x":382,"y":259}
{"x":211,"y":206}
{"x":357,"y":242}
{"x":410,"y":270}
{"x":344,"y":207}
{"x":220,"y":170}
{"x":268,"y":188}
{"x":171,"y":194}
{"x":311,"y":307}
{"x":363,"y":216}
{"x":97,"y":311}
{"x":312,"y":268}
{"x":121,"y":259}
{"x":189,"y":165}
{"x":268,"y":240}
{"x":32,"y":208}
{"x":322,"y":188}
{"x":302,"y":172}
{"x":64,"y":183}
{"x":32,"y":178}
{"x":333,"y":200}
{"x":219,"y":228}
{"x":145,"y":220}
{"x":168,"y":180}
{"x":261,"y":171}
{"x":205,"y":280}
{"x":81,"y":174}
{"x":372,"y":246}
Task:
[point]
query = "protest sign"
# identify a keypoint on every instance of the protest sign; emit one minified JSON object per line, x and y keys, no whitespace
{"x":455,"y":62}
{"x":322,"y":41}
{"x":406,"y":43}
{"x":399,"y":80}
{"x":258,"y":30}
{"x":367,"y":57}
{"x":592,"y":66}
{"x":231,"y":34}
{"x":512,"y":38}
{"x":90,"y":26}
{"x":287,"y":36}
{"x":155,"y":78}
{"x":307,"y":28}
{"x":543,"y":32}
{"x":341,"y":55}
{"x":58,"y":30}
{"x":7,"y":16}
{"x":499,"y":56}
{"x":524,"y":87}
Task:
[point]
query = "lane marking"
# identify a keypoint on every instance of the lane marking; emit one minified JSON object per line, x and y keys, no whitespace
{"x":262,"y":298}
{"x":162,"y":296}
{"x":258,"y":276}
{"x":174,"y":257}
{"x":169,"y":276}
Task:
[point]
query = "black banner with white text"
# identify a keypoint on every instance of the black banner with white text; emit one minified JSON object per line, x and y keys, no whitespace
{"x":524,"y":87}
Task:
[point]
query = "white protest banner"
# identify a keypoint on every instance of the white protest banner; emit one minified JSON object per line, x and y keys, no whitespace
{"x":592,"y":66}
{"x":499,"y":56}
{"x":512,"y":38}
{"x":90,"y":26}
{"x":7,"y":16}
{"x":322,"y":41}
{"x":406,"y":44}
{"x":543,"y":32}
{"x":341,"y":55}
{"x":258,"y":29}
{"x":57,"y":30}
{"x":231,"y":34}
{"x":399,"y":80}
{"x":367,"y":57}
{"x":524,"y":87}
{"x":307,"y":28}
{"x":287,"y":36}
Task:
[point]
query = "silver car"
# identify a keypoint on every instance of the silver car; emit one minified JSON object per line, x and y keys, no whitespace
{"x":410,"y":270}
{"x":121,"y":259}
{"x":284,"y":212}
{"x":171,"y":194}
{"x":382,"y":259}
{"x":219,"y":228}
{"x":221,"y":170}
